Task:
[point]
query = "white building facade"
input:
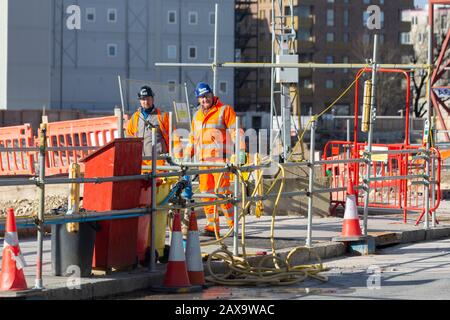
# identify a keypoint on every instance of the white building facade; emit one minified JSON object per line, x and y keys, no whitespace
{"x":44,"y":63}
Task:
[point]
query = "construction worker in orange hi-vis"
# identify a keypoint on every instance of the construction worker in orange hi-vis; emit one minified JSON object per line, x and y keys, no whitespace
{"x":144,"y":119}
{"x":212,"y":140}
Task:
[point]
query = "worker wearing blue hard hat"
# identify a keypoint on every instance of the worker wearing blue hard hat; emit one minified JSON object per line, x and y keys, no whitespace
{"x":212,"y":140}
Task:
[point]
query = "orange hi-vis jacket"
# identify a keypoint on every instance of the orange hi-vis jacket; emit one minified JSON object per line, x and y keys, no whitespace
{"x":213,"y":134}
{"x":136,"y":128}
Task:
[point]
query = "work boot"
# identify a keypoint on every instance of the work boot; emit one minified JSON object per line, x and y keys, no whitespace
{"x":209,"y":233}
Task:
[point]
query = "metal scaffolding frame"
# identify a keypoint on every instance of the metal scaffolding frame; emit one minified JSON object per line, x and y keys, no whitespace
{"x":41,"y":181}
{"x":281,"y":36}
{"x":176,"y":170}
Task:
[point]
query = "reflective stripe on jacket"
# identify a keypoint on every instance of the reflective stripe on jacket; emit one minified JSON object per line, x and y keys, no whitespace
{"x":213,"y":134}
{"x":140,"y":127}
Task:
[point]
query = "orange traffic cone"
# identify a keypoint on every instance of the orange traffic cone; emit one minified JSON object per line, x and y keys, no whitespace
{"x":193,"y":253}
{"x":176,"y":272}
{"x":351,"y":227}
{"x":12,"y":277}
{"x":351,"y":230}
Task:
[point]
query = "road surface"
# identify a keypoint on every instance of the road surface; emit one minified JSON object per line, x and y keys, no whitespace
{"x":411,"y":271}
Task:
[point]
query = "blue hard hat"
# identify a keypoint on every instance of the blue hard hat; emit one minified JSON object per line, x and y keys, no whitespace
{"x":201,"y":89}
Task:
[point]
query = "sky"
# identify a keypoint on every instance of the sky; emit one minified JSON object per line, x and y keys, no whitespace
{"x":420,"y":3}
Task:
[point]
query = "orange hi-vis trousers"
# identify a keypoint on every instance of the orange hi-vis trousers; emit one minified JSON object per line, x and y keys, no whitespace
{"x":207,"y":184}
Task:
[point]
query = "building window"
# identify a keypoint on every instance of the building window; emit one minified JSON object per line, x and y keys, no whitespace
{"x":345,"y":37}
{"x":366,"y":38}
{"x":305,"y":57}
{"x":340,"y":109}
{"x":330,"y":17}
{"x":330,"y":59}
{"x":330,"y":36}
{"x":405,"y":38}
{"x":90,"y":14}
{"x":405,"y":16}
{"x":237,"y":55}
{"x":306,"y":83}
{"x":304,"y":35}
{"x":112,"y":50}
{"x":112,"y":15}
{"x":329,"y":84}
{"x":345,"y":60}
{"x":223,"y":87}
{"x":256,"y":122}
{"x":192,"y":52}
{"x":211,"y":53}
{"x":171,"y":86}
{"x":171,"y":51}
{"x":171,"y":17}
{"x":345,"y":18}
{"x":366,"y":17}
{"x":212,"y":18}
{"x":193,"y":17}
{"x":302,"y":11}
{"x":330,"y":1}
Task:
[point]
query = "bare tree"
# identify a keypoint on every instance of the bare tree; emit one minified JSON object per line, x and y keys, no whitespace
{"x":419,"y":39}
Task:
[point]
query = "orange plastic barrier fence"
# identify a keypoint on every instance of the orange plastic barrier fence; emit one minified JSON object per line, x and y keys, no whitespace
{"x":404,"y":194}
{"x":91,"y":132}
{"x":16,"y":162}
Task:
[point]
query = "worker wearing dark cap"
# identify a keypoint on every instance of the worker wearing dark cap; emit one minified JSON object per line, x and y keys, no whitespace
{"x":144,"y":119}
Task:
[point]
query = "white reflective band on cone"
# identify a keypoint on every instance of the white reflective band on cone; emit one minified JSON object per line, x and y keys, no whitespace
{"x":11,"y":240}
{"x":193,"y":252}
{"x":19,"y":259}
{"x":351,"y":211}
{"x":176,"y":248}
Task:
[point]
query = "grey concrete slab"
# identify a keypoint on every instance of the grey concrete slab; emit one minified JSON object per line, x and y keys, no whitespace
{"x":290,"y":232}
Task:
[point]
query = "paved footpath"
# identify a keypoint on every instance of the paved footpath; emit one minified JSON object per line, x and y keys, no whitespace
{"x":290,"y":232}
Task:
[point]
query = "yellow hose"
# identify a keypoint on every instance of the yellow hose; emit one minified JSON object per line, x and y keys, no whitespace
{"x":240,"y":272}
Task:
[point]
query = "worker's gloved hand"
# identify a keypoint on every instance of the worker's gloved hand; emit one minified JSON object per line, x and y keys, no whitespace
{"x":187,"y":192}
{"x":242,"y":157}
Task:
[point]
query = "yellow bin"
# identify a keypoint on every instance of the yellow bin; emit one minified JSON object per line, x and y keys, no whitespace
{"x":144,"y":236}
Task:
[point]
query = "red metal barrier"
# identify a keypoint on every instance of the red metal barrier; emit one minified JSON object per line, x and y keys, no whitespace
{"x":404,"y":194}
{"x":16,"y":162}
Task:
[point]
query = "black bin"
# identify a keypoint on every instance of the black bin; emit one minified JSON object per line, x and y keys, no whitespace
{"x":71,"y":249}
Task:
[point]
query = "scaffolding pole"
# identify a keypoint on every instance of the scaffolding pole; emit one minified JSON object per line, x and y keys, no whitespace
{"x":306,"y":65}
{"x":373,"y":116}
